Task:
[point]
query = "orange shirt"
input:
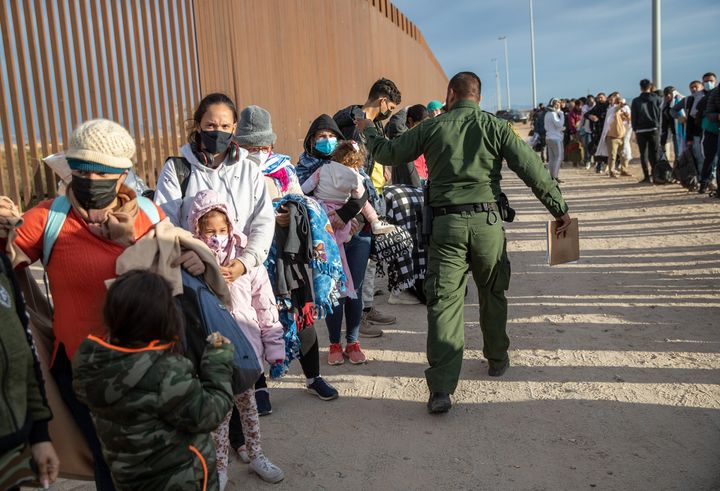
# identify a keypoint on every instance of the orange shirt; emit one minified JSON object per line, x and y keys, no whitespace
{"x":79,"y":265}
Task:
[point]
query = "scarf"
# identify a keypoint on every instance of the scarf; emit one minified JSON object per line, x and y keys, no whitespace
{"x":116,"y":225}
{"x":280,"y":168}
{"x":328,"y":275}
{"x":307,"y":165}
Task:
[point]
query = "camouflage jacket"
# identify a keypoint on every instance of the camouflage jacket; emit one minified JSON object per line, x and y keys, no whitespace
{"x":153,"y":414}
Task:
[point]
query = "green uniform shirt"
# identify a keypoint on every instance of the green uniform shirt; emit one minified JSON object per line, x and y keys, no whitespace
{"x":464,"y":149}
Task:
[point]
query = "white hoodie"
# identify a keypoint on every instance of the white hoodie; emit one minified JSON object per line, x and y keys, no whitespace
{"x":554,"y":123}
{"x":240,"y":185}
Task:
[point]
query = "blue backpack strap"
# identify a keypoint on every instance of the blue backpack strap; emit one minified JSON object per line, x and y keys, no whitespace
{"x":59,"y":210}
{"x":149,"y":208}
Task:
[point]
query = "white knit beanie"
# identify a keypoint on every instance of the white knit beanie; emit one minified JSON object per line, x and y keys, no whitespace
{"x":103,"y":142}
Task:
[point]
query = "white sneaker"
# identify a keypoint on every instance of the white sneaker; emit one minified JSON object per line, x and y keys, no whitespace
{"x":243,"y":454}
{"x":379,"y":227}
{"x":267,"y":471}
{"x":403,"y":298}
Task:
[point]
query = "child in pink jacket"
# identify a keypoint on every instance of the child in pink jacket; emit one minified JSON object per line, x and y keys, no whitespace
{"x":253,"y":307}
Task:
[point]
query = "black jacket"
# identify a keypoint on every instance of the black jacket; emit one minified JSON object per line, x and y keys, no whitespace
{"x":645,"y":112}
{"x":712,"y":106}
{"x":345,"y":119}
{"x":691,"y":126}
{"x":322,"y":122}
{"x":402,"y":175}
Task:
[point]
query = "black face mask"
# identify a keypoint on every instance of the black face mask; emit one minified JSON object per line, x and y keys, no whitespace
{"x":215,"y":142}
{"x":383,"y":116}
{"x":94,"y":194}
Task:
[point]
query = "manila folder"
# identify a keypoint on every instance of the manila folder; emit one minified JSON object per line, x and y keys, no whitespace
{"x":564,"y":248}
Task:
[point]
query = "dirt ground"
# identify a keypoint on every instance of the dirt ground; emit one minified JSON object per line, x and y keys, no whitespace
{"x":615,"y":370}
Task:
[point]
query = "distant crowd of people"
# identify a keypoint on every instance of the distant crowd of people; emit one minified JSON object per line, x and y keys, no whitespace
{"x":596,"y":131}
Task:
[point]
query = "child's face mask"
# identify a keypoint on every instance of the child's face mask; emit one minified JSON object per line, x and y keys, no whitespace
{"x":216,"y":242}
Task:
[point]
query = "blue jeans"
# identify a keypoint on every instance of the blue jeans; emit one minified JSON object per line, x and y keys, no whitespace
{"x":358,"y":254}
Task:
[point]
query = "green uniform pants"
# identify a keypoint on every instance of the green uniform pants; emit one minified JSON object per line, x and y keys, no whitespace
{"x":469,"y":239}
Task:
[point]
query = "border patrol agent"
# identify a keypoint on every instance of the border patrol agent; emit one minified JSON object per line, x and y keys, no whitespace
{"x":464,"y":149}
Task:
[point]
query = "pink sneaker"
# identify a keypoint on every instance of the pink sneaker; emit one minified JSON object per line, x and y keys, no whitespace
{"x":355,"y":354}
{"x":335,"y":357}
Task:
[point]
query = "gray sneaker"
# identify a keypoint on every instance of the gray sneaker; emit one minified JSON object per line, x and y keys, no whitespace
{"x":368,"y":330}
{"x":373,"y":316}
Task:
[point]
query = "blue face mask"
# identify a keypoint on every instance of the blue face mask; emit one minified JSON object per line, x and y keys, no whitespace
{"x":709,"y":85}
{"x":326,"y":146}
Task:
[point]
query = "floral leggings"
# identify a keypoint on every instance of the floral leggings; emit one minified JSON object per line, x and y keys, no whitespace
{"x":250,"y":422}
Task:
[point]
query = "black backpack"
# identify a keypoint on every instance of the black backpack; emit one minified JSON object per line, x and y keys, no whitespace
{"x":182,"y":171}
{"x":685,"y":171}
{"x":663,"y":171}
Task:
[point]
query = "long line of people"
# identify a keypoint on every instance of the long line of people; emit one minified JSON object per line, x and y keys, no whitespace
{"x":281,"y":245}
{"x":597,"y":130}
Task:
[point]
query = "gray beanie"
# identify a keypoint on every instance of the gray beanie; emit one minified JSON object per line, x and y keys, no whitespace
{"x":254,"y":128}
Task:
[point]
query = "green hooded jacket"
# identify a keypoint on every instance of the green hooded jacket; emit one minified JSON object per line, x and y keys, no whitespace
{"x":153,"y":414}
{"x":24,"y":410}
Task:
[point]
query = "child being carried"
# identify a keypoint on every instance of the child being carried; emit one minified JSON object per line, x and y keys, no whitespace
{"x":336,"y":182}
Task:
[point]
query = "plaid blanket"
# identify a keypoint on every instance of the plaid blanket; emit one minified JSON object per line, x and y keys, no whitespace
{"x":404,"y":209}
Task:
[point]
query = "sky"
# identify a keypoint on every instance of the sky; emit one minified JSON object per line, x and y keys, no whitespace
{"x":581,"y":47}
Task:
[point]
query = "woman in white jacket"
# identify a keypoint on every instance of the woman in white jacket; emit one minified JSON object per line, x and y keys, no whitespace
{"x":554,"y":124}
{"x":211,"y":160}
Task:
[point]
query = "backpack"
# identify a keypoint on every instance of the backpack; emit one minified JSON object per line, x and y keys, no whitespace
{"x":617,"y":125}
{"x":663,"y":171}
{"x":685,"y":171}
{"x":203,"y":311}
{"x":182,"y":171}
{"x":574,"y":151}
{"x":204,"y":314}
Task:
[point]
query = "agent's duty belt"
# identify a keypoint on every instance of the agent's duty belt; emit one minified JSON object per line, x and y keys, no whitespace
{"x":455,"y":209}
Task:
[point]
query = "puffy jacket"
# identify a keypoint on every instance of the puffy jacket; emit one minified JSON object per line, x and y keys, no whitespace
{"x":24,"y":410}
{"x":253,"y":300}
{"x":153,"y":414}
{"x":645,"y":112}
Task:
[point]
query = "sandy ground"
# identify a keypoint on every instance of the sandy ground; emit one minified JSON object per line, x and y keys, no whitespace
{"x":615,"y":370}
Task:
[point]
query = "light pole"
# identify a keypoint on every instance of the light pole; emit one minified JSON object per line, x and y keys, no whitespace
{"x":507,"y":71}
{"x":532,"y":55}
{"x":657,"y":44}
{"x":497,"y":85}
